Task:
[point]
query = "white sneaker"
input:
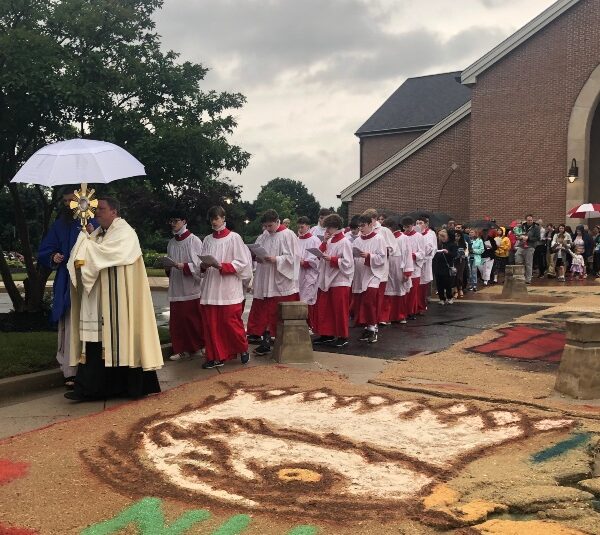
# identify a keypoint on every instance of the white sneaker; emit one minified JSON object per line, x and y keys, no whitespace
{"x":450,"y":301}
{"x":200,"y":353}
{"x":180,"y":356}
{"x":442,"y":303}
{"x":403,"y":321}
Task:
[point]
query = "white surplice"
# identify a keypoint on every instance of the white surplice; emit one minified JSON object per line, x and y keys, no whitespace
{"x":430,"y":243}
{"x":401,"y":262}
{"x":416,"y":246}
{"x":339,"y":248}
{"x":369,"y":276}
{"x":221,"y":289}
{"x":185,"y":285}
{"x":281,"y":278}
{"x":308,"y":280}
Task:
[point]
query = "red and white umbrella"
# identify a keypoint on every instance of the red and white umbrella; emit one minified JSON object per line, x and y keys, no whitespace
{"x":585,"y":211}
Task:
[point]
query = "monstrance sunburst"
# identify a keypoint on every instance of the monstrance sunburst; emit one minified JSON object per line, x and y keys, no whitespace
{"x":84,"y":206}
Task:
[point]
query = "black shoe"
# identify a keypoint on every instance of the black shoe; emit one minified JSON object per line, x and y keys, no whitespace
{"x":245,"y":357}
{"x":73,"y":396}
{"x":323,"y":340}
{"x":412,"y":316}
{"x":365,"y":335}
{"x":219,"y":364}
{"x":69,"y":383}
{"x":340,"y":342}
{"x":254,"y":339}
{"x":372,"y":337}
{"x":262,"y":349}
{"x":209,"y":364}
{"x":384,"y":323}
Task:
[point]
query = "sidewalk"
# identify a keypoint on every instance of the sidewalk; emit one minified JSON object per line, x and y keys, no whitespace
{"x":42,"y":408}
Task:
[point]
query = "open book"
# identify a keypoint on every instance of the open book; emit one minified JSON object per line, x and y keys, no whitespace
{"x":257,"y":250}
{"x":164,"y":263}
{"x":314,"y":251}
{"x":209,"y":260}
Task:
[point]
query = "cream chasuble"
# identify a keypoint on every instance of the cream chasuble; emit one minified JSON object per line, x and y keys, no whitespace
{"x":111,"y":299}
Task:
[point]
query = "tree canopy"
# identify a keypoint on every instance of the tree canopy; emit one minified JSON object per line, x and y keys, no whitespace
{"x":95,"y":68}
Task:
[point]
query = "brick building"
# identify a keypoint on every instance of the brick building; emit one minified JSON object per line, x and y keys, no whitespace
{"x":499,"y":138}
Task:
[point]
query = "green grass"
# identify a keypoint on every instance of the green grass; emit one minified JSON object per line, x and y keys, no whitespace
{"x":27,"y":352}
{"x":152,"y":272}
{"x":22,"y":276}
{"x":30,"y":352}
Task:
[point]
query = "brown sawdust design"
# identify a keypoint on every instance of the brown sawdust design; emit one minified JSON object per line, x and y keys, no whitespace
{"x":120,"y":463}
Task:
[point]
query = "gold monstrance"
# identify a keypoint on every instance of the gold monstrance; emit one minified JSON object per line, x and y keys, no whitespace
{"x":84,"y":206}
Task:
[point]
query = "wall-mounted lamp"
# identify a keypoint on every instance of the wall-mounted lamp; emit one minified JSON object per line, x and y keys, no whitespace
{"x":573,"y":172}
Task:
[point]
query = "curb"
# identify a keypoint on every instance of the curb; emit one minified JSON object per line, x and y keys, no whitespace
{"x":13,"y":387}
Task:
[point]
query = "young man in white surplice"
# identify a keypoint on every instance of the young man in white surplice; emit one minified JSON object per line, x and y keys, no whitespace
{"x":275,"y":279}
{"x":308,"y":280}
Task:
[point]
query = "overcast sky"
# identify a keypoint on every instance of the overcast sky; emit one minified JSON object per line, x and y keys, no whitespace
{"x":314,"y":70}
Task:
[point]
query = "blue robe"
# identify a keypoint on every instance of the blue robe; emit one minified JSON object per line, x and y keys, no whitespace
{"x":60,"y":239}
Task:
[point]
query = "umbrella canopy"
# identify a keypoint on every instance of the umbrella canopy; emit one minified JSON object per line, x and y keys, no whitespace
{"x":482,"y":223}
{"x":585,"y":211}
{"x":78,"y":161}
{"x":436,"y":219}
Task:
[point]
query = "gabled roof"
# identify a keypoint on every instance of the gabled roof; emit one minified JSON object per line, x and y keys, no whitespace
{"x":410,"y":149}
{"x":418,"y":104}
{"x":470,"y":74}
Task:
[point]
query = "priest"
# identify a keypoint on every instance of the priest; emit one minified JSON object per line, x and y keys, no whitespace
{"x":114,"y":339}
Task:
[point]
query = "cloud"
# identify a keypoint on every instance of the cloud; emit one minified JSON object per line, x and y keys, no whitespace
{"x":257,"y":43}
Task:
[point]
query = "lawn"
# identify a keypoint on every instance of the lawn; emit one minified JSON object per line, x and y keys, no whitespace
{"x":28,"y":352}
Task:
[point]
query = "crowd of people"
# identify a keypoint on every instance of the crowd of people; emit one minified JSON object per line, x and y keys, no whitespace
{"x":376,"y":271}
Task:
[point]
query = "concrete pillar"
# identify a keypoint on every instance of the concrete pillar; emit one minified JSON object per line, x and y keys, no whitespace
{"x":579,"y":371}
{"x":514,"y":282}
{"x":293,"y":343}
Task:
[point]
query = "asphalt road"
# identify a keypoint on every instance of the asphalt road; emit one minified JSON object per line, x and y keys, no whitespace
{"x":441,"y":327}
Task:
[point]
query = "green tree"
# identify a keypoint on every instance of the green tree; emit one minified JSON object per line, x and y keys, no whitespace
{"x":271,"y":199}
{"x":305,"y":203}
{"x":95,"y":68}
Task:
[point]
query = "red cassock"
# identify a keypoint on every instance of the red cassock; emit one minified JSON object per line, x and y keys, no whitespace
{"x":365,"y":307}
{"x":412,"y":298}
{"x":385,"y":303}
{"x":332,"y":311}
{"x":263,"y":313}
{"x":185,"y":326}
{"x":226,"y":336}
{"x":424,"y":293}
{"x":398,"y":309}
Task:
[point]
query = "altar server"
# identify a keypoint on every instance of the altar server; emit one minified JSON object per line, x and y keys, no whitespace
{"x":227,"y":264}
{"x":370,"y":266}
{"x":185,"y":286}
{"x":336,"y":269}
{"x":275,"y":279}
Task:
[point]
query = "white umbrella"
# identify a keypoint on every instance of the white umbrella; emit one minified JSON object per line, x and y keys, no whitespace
{"x":78,"y":161}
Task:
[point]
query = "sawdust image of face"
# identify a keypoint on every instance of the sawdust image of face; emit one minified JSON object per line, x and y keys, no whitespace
{"x":284,"y":450}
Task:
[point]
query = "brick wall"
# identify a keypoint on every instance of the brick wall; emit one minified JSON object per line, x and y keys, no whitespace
{"x":375,"y":150}
{"x":520,"y":115}
{"x":417,"y":181}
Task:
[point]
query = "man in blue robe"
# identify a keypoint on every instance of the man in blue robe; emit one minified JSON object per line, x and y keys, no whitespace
{"x":54,"y":254}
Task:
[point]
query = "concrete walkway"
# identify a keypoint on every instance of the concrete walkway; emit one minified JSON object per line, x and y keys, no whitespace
{"x":32,"y":411}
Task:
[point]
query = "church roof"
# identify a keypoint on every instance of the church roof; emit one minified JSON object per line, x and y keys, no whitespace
{"x":469,"y":75}
{"x":418,"y":104}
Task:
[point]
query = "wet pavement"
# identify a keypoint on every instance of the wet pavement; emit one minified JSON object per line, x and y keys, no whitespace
{"x":441,"y":327}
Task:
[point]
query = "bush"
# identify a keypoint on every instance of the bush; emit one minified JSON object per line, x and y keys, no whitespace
{"x":150,"y":257}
